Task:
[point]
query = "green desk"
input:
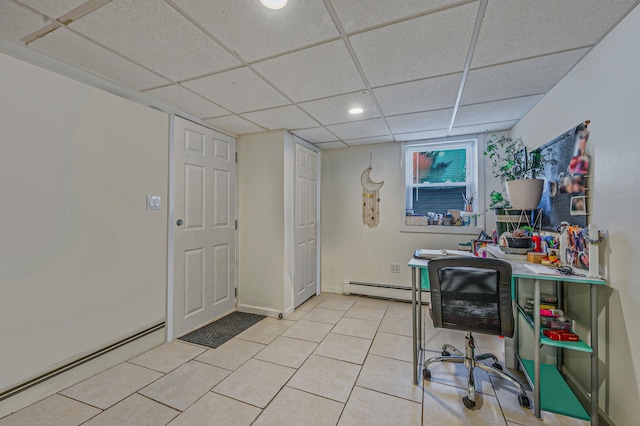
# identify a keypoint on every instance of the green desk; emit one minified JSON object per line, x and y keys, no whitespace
{"x":550,"y":391}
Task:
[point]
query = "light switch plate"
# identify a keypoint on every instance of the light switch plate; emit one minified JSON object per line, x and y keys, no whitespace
{"x":153,"y":202}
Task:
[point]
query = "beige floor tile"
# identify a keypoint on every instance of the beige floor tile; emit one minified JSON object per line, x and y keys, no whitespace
{"x":393,"y":346}
{"x":366,"y":313}
{"x":294,"y":407}
{"x":345,"y":348}
{"x":255,"y":383}
{"x":286,"y":351}
{"x":356,"y":327}
{"x":366,"y":407}
{"x":213,"y":409}
{"x":338,"y":303}
{"x":443,"y":406}
{"x":372,"y":302}
{"x":135,"y":410}
{"x":298,"y":314}
{"x":326,"y":377}
{"x":286,"y":322}
{"x":458,"y":375}
{"x":492,"y":343}
{"x":311,"y":303}
{"x":185,"y":385}
{"x":508,"y":396}
{"x":167,"y":357}
{"x":389,"y":376}
{"x":400,"y":310}
{"x":403,"y":327}
{"x":330,"y":316}
{"x":308,"y":330}
{"x":113,"y":385}
{"x":231,"y":355}
{"x":56,"y":410}
{"x":263,"y":332}
{"x":436,"y":337}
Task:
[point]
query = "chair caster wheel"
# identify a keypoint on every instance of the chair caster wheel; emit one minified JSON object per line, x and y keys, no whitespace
{"x":426,"y":374}
{"x":497,"y":366}
{"x":524,"y":401}
{"x":468,"y":403}
{"x":446,"y":353}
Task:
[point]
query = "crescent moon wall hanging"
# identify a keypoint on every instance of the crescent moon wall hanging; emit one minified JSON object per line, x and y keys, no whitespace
{"x":370,"y":199}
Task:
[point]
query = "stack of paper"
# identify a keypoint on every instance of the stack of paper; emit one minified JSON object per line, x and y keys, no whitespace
{"x":434,"y":253}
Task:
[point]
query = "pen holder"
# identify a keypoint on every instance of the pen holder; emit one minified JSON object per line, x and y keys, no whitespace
{"x":468,"y":207}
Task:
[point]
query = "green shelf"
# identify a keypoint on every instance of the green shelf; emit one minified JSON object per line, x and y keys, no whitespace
{"x":555,"y":395}
{"x":580,"y":345}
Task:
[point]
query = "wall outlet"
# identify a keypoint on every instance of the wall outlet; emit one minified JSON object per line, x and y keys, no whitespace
{"x":395,"y":268}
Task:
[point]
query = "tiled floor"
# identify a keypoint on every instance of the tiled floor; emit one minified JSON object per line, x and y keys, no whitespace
{"x":341,"y":360}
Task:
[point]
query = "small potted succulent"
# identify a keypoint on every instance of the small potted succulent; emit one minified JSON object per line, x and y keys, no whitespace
{"x":520,"y":238}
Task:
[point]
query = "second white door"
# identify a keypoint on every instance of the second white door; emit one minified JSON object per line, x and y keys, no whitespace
{"x":305,"y":232}
{"x":204,"y":271}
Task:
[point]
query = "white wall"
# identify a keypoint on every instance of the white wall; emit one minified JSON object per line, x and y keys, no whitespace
{"x":352,"y":250}
{"x":605,"y":88}
{"x":82,"y":263}
{"x":261,"y":174}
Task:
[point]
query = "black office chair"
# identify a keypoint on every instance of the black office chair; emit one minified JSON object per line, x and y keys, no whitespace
{"x":472,"y":295}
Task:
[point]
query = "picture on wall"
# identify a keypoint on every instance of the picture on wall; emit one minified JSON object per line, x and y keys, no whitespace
{"x":577,"y":247}
{"x":565,"y":175}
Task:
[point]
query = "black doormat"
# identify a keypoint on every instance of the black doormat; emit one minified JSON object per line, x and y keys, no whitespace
{"x":226,"y":328}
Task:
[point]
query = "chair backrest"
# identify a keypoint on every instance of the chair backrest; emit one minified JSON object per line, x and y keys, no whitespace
{"x":471,"y":294}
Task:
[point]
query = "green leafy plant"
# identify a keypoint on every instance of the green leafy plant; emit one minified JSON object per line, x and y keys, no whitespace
{"x":509,"y":160}
{"x":498,"y":200}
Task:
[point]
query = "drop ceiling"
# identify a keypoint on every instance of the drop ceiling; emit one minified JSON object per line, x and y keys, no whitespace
{"x":420,"y":69}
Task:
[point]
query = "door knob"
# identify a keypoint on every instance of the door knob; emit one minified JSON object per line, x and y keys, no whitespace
{"x":179,"y":222}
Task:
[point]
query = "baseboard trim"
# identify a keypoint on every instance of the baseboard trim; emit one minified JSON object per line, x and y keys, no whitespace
{"x":260,"y":310}
{"x":331,"y":289}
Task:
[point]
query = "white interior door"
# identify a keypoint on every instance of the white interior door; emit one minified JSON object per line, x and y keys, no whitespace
{"x":204,"y":271}
{"x":306,"y":209}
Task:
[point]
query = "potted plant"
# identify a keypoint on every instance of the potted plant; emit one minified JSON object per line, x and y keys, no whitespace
{"x":520,"y":238}
{"x":517,"y":170}
{"x":498,"y":202}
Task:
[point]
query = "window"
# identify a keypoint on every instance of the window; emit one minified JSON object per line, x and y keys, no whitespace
{"x":438,"y":175}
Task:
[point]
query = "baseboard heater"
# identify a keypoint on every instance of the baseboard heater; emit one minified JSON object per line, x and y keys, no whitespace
{"x":64,"y":368}
{"x":383,"y":291}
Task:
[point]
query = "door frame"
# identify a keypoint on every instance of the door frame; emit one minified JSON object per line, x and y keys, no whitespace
{"x":302,"y":142}
{"x":169,"y":326}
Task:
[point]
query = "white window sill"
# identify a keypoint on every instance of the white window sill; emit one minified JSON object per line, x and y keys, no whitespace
{"x":436,"y":229}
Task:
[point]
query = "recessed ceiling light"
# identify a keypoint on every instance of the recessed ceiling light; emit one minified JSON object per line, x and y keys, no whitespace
{"x":274,"y":4}
{"x":356,"y":110}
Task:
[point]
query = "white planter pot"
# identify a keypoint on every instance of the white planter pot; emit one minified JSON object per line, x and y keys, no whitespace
{"x":525,"y":194}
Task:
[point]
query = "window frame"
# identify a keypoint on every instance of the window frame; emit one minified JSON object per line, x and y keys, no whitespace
{"x":472,"y":144}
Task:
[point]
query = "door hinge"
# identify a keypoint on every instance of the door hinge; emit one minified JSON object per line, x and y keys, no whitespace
{"x":236,"y":224}
{"x":235,"y":291}
{"x":236,"y":156}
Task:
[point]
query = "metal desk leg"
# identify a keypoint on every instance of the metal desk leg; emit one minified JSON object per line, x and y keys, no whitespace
{"x":594,"y":355}
{"x":415,"y":328}
{"x":419,"y":280}
{"x":516,"y":328}
{"x":536,"y":348}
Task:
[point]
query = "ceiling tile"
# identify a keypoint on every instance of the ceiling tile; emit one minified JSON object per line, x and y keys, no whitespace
{"x":369,"y":141}
{"x":156,"y":36}
{"x":515,"y":29}
{"x":312,"y":73}
{"x":286,"y":117}
{"x":431,"y":45}
{"x":421,"y":95}
{"x":331,"y":145}
{"x":53,"y":8}
{"x":17,"y":22}
{"x":438,"y":119}
{"x":416,"y":136}
{"x":65,"y":44}
{"x":253,"y":31}
{"x":336,"y":109}
{"x":490,"y":112}
{"x":522,"y":78}
{"x":483,"y":128}
{"x":356,"y":16}
{"x":360,"y":129}
{"x":239,"y":90}
{"x":188,"y":101}
{"x":315,"y":135}
{"x":235,"y":124}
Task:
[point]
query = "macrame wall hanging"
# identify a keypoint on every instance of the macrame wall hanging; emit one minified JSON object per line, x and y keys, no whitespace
{"x":370,"y":198}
